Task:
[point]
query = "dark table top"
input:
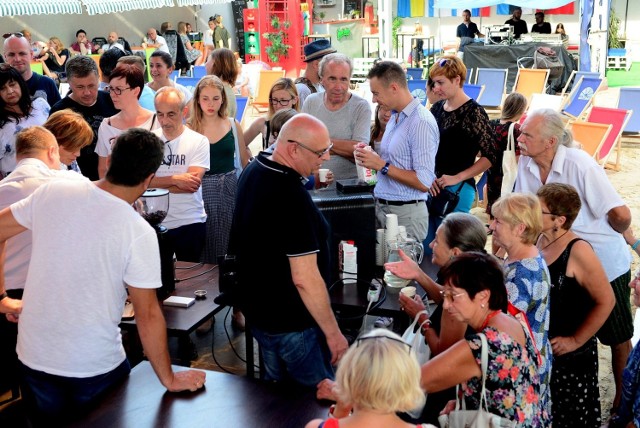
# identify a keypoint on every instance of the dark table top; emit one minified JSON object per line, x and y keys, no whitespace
{"x":227,"y":401}
{"x":182,"y":321}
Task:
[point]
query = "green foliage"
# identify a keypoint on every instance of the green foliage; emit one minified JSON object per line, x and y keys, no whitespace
{"x":614,"y":28}
{"x":277,"y":48}
{"x":396,"y":23}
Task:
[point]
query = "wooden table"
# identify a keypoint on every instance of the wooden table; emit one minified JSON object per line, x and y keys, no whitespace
{"x":227,"y":401}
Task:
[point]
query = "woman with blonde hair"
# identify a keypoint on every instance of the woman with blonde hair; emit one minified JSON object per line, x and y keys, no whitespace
{"x":54,"y":58}
{"x":194,"y":56}
{"x":222,"y":63}
{"x":72,"y":133}
{"x":516,"y":225}
{"x":283,"y":95}
{"x":377,"y":378}
{"x":228,"y":157}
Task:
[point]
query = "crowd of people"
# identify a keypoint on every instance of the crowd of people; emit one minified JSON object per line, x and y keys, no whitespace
{"x":556,"y":280}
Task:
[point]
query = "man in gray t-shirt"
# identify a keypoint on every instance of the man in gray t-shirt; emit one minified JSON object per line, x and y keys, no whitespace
{"x":346,"y":115}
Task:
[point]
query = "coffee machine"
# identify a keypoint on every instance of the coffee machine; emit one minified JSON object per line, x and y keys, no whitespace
{"x":153,"y":206}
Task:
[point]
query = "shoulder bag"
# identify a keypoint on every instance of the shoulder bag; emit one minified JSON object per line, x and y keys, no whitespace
{"x":509,"y":164}
{"x":481,"y":418}
{"x":444,"y":202}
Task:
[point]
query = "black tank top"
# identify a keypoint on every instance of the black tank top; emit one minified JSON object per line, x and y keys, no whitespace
{"x":570,"y":302}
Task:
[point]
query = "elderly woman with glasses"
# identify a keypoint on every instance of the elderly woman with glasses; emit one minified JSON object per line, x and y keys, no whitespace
{"x":516,"y":225}
{"x":581,"y":301}
{"x":282,"y":95}
{"x":125,"y":87}
{"x":464,"y":131}
{"x":377,"y":378}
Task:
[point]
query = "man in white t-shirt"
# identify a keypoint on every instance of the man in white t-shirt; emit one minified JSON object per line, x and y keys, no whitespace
{"x":69,"y":343}
{"x":154,"y":40}
{"x":186,"y":159}
{"x":38,"y":163}
{"x":546,"y":158}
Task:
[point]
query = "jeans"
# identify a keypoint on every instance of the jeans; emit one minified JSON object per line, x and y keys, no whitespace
{"x":187,"y":241}
{"x":467,"y":195}
{"x":301,"y":356}
{"x":51,"y":398}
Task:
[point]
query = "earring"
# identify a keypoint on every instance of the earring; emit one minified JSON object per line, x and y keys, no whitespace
{"x":482,"y":305}
{"x":555,"y":229}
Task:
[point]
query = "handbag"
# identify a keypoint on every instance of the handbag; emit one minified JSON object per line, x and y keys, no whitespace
{"x":481,"y":418}
{"x":413,"y":337}
{"x":444,"y":202}
{"x":509,"y":164}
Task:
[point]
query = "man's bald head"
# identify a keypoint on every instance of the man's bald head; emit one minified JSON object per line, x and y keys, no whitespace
{"x":18,"y":54}
{"x":39,"y":143}
{"x":303,"y":144}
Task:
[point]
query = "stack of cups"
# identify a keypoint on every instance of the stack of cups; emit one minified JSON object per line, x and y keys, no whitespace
{"x":380,"y":247}
{"x":391,"y":231}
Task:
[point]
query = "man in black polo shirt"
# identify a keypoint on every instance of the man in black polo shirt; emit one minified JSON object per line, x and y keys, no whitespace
{"x":467,"y":30}
{"x":85,"y":99}
{"x":540,"y":26}
{"x":282,"y":267}
{"x":519,"y":25}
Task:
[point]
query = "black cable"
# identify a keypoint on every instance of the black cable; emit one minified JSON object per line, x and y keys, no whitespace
{"x":213,"y":353}
{"x":195,"y":276}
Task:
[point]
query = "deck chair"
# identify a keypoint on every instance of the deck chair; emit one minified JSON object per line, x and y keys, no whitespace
{"x":531,"y":81}
{"x":581,"y":96}
{"x":414,"y":73}
{"x":473,"y":91}
{"x":494,"y":81}
{"x":469,"y":78}
{"x":591,"y":136}
{"x":575,"y":77}
{"x":176,"y":49}
{"x":418,"y":89}
{"x":628,"y":100}
{"x":174,"y":75}
{"x":36,"y":67}
{"x":266,"y":79}
{"x":540,"y":101}
{"x":618,"y":119}
{"x":199,"y":71}
{"x":241,"y":102}
{"x":188,"y":82}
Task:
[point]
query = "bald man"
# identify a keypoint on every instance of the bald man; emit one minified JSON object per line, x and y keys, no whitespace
{"x":18,"y":54}
{"x":112,"y":42}
{"x":282,"y":268}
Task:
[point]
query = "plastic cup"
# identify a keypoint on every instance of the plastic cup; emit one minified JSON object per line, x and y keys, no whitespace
{"x":322,"y":175}
{"x":409,"y":291}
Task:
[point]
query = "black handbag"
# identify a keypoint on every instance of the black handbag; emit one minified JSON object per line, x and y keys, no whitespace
{"x":444,"y":203}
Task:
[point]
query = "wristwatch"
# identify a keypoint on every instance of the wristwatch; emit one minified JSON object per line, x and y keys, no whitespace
{"x":385,"y":169}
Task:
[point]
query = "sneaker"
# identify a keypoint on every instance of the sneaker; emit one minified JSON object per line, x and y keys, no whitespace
{"x":383,"y":322}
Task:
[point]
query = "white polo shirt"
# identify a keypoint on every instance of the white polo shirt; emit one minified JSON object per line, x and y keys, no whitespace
{"x":575,"y":167}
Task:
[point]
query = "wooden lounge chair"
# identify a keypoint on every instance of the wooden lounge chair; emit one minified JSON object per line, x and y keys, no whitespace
{"x":575,"y":76}
{"x":473,"y":91}
{"x":581,"y":96}
{"x":540,"y":101}
{"x":494,"y":81}
{"x":618,"y":119}
{"x":266,"y":79}
{"x":531,"y":81}
{"x":629,"y":98}
{"x":591,"y":137}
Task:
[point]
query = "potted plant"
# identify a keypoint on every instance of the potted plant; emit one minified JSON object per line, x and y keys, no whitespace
{"x":277,"y":48}
{"x":355,"y":14}
{"x":322,"y":15}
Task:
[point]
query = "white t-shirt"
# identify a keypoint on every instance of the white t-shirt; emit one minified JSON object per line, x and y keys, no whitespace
{"x":29,"y":174}
{"x":75,"y":290}
{"x":188,"y":150}
{"x":598,"y":197}
{"x":161,"y":42}
{"x":107,"y":134}
{"x":39,"y":114}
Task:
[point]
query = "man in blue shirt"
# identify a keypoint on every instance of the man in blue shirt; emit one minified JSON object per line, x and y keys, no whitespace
{"x":468,"y":28}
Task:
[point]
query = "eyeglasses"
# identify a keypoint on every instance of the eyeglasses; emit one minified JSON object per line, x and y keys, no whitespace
{"x":282,"y":102}
{"x":117,"y":91}
{"x":7,"y":35}
{"x":362,"y":339}
{"x":547,"y":213}
{"x":319,"y":153}
{"x":449,"y":295}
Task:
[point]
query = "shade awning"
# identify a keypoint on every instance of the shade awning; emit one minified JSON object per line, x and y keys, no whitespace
{"x":471,"y":4}
{"x":39,"y":7}
{"x":95,"y":7}
{"x":200,"y":2}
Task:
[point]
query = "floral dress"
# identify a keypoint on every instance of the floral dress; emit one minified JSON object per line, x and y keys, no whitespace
{"x":528,"y":287}
{"x":512,"y":384}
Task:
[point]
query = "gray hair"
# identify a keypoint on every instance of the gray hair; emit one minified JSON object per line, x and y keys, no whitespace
{"x":81,"y":66}
{"x":337,"y":58}
{"x":166,"y":90}
{"x":553,"y":127}
{"x":464,"y":231}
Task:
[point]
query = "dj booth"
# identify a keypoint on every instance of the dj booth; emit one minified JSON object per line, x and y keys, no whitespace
{"x":507,"y":56}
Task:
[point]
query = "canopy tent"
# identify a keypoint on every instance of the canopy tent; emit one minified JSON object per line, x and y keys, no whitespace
{"x":31,"y":7}
{"x":93,"y":7}
{"x":200,"y":2}
{"x":471,"y":4}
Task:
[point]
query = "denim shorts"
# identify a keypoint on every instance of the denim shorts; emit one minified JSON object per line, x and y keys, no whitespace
{"x":301,"y":356}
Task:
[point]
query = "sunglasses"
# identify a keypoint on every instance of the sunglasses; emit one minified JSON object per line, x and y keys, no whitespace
{"x":7,"y":35}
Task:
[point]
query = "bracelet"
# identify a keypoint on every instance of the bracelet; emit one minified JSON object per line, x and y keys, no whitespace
{"x":3,"y":296}
{"x":635,"y":245}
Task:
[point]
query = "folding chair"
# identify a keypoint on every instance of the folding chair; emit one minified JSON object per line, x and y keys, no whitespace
{"x":629,"y":98}
{"x":174,"y":75}
{"x":591,"y":136}
{"x":494,"y":81}
{"x":241,"y":102}
{"x":473,"y":91}
{"x":531,"y":81}
{"x":581,"y":96}
{"x":469,"y":78}
{"x":199,"y":71}
{"x":188,"y":82}
{"x":618,"y":119}
{"x":540,"y":101}
{"x":575,"y":77}
{"x":266,"y":79}
{"x":418,"y":89}
{"x":414,"y":73}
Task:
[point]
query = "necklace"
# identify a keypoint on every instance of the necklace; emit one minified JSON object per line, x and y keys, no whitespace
{"x":552,"y":242}
{"x":488,"y":318}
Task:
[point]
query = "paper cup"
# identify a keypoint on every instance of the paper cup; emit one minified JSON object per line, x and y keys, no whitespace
{"x":409,"y":291}
{"x":322,"y":174}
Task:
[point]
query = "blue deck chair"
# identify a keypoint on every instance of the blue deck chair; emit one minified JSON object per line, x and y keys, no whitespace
{"x":199,"y":71}
{"x":414,"y":73}
{"x":188,"y":82}
{"x":581,"y":96}
{"x":174,"y":75}
{"x":575,"y":77}
{"x":241,"y":102}
{"x":495,"y":83}
{"x":473,"y":91}
{"x":469,"y":76}
{"x":629,"y":101}
{"x":418,"y":89}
